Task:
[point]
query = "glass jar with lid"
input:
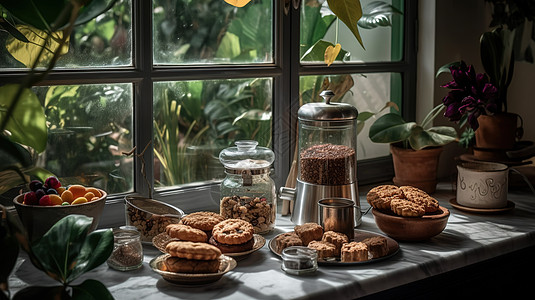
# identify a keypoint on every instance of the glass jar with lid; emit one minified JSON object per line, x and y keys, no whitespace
{"x":248,"y":192}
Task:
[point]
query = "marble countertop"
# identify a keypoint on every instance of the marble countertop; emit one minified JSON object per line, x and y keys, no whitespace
{"x":468,"y":238}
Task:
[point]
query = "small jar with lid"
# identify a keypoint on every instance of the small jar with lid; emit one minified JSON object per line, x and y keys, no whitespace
{"x":127,"y":249}
{"x":298,"y":260}
{"x":248,"y":192}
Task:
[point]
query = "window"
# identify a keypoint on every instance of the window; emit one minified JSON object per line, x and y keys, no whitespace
{"x":194,"y":76}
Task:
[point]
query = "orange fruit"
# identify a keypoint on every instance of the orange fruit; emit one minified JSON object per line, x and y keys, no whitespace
{"x":55,"y":199}
{"x":93,"y":190}
{"x":89,"y":196}
{"x":60,"y":190}
{"x":77,"y":190}
{"x":67,"y":196}
{"x":79,"y":200}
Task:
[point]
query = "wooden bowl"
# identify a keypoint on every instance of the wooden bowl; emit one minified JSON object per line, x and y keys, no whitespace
{"x":39,"y":219}
{"x":411,"y":228}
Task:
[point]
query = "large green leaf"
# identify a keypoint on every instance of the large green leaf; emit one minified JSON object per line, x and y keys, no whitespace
{"x":48,"y":14}
{"x":59,"y":248}
{"x":91,"y":290}
{"x":390,"y":128}
{"x":27,"y":123}
{"x":96,"y":249}
{"x":436,"y":136}
{"x":349,"y":12}
{"x":30,"y":52}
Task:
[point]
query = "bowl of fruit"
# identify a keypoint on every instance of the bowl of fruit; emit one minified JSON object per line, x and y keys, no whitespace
{"x":48,"y":202}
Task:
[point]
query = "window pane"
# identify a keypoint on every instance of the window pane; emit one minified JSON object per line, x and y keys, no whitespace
{"x":381,"y":34}
{"x":212,"y":31}
{"x":88,"y":128}
{"x":367,"y":92}
{"x":195,"y":120}
{"x":105,"y":41}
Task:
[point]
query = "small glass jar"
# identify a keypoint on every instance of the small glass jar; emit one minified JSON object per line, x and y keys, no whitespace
{"x":248,"y":192}
{"x":298,"y":260}
{"x":127,"y":249}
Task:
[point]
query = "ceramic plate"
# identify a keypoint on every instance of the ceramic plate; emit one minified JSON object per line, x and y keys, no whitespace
{"x":157,"y":265}
{"x":510,"y":206}
{"x":393,"y":248}
{"x":162,"y":239}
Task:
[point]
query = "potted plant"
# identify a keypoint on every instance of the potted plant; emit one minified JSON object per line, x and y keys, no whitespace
{"x":415,"y":147}
{"x":497,"y":128}
{"x":64,"y":253}
{"x":476,"y":103}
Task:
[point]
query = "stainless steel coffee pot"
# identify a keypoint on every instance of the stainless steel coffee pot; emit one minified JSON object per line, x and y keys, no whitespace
{"x":327,"y":162}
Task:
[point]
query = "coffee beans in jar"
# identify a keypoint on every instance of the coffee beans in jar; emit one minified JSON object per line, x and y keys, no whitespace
{"x":257,"y":211}
{"x":327,"y":164}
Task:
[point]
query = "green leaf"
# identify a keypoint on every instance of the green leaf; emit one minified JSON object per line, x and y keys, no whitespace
{"x":436,"y":136}
{"x":48,"y":14}
{"x":446,"y":68}
{"x":377,"y":14}
{"x":59,"y":248}
{"x":317,"y":52}
{"x":96,"y":249}
{"x":28,"y":53}
{"x":12,"y":154}
{"x":349,"y":12}
{"x":27,"y":124}
{"x":91,"y":290}
{"x":229,"y":46}
{"x":390,"y":128}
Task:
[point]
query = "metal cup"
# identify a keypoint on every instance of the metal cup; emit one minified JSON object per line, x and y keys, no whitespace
{"x":337,"y":214}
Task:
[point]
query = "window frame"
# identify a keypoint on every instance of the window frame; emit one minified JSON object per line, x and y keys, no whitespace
{"x":284,"y":71}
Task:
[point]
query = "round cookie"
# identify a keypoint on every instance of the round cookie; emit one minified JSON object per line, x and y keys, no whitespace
{"x":380,"y":196}
{"x":406,"y":208}
{"x":233,"y":231}
{"x":192,"y":250}
{"x":186,"y":233}
{"x":420,"y":197}
{"x":309,"y":232}
{"x":203,"y":220}
{"x":193,"y":266}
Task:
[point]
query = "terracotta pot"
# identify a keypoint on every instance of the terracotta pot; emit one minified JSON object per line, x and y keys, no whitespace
{"x":496,"y":135}
{"x":417,"y":168}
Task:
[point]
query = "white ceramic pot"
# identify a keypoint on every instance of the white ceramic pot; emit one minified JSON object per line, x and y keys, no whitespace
{"x":482,"y":184}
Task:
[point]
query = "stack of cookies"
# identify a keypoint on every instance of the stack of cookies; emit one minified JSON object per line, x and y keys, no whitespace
{"x":405,"y":201}
{"x":192,"y":257}
{"x":332,"y":244}
{"x":229,"y":236}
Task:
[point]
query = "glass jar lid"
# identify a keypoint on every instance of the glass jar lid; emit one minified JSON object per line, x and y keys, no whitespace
{"x":246,"y":155}
{"x":327,"y":111}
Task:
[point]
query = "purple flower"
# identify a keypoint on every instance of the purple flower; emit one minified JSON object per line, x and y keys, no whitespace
{"x":469,"y":94}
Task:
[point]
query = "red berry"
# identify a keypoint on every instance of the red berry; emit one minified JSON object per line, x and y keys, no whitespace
{"x":30,"y":199}
{"x":45,"y":201}
{"x":52,"y":182}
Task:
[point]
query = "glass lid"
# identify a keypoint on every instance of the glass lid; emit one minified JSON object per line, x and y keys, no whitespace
{"x":246,"y":155}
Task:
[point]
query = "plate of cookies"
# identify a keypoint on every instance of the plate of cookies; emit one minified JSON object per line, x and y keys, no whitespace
{"x":334,"y":248}
{"x":233,"y":237}
{"x":407,"y":213}
{"x":192,"y":263}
